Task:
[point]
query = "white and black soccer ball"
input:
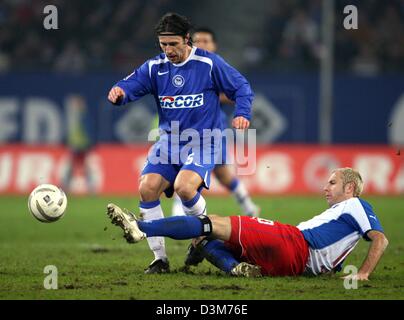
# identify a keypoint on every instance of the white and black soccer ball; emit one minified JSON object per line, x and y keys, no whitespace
{"x":47,"y":203}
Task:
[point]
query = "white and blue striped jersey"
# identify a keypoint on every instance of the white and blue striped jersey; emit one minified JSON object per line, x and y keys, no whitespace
{"x":188,"y":92}
{"x":333,"y":234}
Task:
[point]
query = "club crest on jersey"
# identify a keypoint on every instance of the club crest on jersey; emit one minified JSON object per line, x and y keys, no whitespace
{"x":182,"y":101}
{"x":178,"y":81}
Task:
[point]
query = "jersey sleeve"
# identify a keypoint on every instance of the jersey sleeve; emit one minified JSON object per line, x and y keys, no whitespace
{"x":234,"y":85}
{"x":372,"y":221}
{"x":136,"y":85}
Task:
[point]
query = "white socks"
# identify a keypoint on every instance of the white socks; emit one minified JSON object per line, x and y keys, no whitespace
{"x":196,"y":206}
{"x":178,"y":209}
{"x":152,"y":211}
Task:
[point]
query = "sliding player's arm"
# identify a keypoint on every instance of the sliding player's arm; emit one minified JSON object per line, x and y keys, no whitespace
{"x":377,"y":246}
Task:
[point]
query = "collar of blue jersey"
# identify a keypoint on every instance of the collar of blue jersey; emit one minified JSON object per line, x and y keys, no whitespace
{"x":189,"y":58}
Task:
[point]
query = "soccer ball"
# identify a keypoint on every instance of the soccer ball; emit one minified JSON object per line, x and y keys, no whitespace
{"x":47,"y":203}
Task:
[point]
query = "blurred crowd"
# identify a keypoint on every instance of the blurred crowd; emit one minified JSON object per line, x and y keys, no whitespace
{"x":293,"y":36}
{"x":117,"y":35}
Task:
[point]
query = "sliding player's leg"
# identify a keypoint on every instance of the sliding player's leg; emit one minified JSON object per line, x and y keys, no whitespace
{"x":186,"y":227}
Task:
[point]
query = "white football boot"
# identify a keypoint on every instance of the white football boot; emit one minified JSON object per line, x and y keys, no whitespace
{"x":245,"y":269}
{"x":127,"y":221}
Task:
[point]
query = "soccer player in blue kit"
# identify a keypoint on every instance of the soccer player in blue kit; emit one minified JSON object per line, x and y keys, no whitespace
{"x":185,"y":82}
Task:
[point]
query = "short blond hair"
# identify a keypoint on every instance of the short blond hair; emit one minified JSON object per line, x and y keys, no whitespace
{"x":350,"y":175}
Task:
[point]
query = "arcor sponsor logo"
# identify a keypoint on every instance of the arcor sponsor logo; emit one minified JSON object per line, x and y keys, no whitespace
{"x":183,"y":101}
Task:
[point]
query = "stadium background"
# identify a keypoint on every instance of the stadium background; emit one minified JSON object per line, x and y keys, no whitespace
{"x":54,"y":84}
{"x":47,"y":75}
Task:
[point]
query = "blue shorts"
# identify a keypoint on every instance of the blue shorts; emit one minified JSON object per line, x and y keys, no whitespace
{"x":170,"y":169}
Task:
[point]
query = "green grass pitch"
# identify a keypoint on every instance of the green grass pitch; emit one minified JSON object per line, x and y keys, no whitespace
{"x":94,"y":261}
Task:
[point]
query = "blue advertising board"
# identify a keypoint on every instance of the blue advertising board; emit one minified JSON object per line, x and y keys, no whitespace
{"x":36,"y":108}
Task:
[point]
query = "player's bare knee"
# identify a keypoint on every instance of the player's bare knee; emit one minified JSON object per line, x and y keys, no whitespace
{"x":185,"y":191}
{"x":148,"y":191}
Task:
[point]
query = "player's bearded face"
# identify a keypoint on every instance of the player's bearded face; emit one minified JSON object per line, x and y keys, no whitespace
{"x":334,"y":191}
{"x":175,"y":48}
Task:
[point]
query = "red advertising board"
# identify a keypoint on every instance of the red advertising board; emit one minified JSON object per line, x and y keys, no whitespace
{"x":279,"y":169}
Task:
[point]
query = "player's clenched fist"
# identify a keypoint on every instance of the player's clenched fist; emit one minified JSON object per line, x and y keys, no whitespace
{"x":240,"y":123}
{"x":116,"y":94}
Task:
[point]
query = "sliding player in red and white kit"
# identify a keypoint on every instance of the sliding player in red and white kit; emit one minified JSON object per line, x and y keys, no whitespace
{"x":249,"y":246}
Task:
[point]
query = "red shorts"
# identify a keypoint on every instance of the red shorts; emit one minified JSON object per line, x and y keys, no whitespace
{"x":279,"y":249}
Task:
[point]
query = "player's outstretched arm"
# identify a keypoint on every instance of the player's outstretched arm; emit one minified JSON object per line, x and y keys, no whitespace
{"x":230,"y":82}
{"x":376,"y":249}
{"x":116,"y":94}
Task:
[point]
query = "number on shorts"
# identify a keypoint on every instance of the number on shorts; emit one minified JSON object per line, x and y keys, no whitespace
{"x":265,"y":221}
{"x":190,"y":158}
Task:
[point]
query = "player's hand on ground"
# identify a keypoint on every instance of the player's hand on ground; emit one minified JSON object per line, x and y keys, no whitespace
{"x":116,"y":94}
{"x":240,"y":123}
{"x":358,"y":276}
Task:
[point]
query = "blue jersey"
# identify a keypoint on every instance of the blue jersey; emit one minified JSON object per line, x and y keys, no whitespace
{"x":223,"y":120}
{"x":333,"y":234}
{"x":188,"y":92}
